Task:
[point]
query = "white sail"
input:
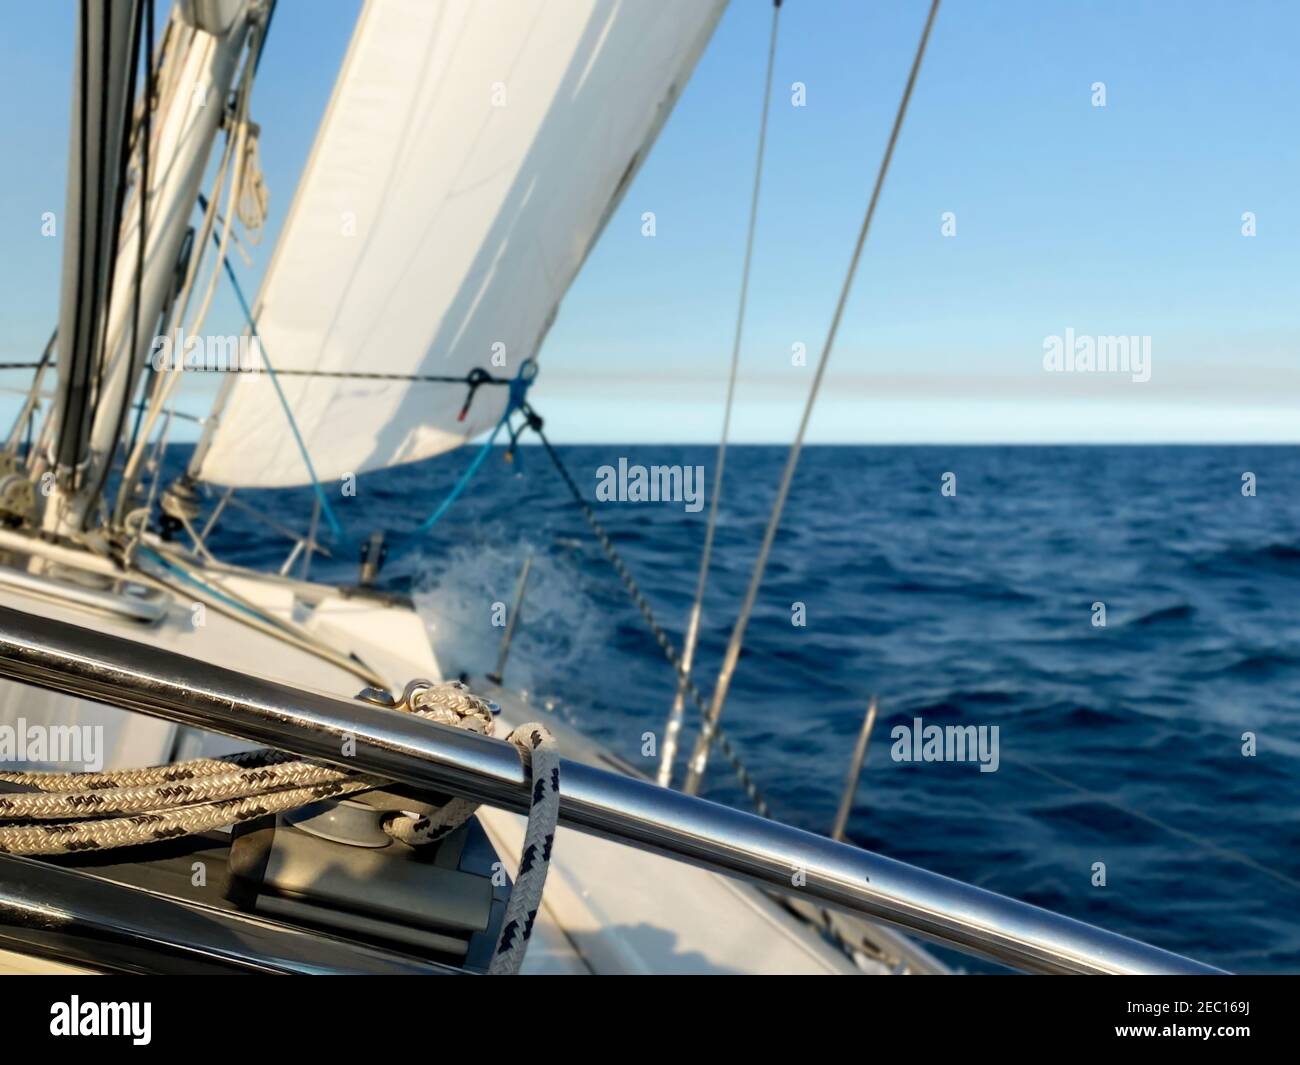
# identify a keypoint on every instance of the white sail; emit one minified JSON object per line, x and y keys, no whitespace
{"x":471,"y":153}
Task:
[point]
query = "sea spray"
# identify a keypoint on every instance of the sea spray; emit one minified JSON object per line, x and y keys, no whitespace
{"x":464,"y":598}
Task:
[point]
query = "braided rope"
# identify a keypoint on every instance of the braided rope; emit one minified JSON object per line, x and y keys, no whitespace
{"x":205,"y":788}
{"x":136,"y":806}
{"x":540,"y":754}
{"x":68,"y":837}
{"x":128,"y":778}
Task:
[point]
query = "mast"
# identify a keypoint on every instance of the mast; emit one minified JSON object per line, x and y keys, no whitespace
{"x":205,"y":42}
{"x":102,"y":81}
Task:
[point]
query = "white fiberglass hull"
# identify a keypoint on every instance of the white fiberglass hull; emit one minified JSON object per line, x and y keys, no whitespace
{"x":608,"y":908}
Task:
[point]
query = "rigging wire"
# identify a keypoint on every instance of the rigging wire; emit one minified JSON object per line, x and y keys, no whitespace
{"x":353,"y":375}
{"x":227,"y":169}
{"x":662,"y":638}
{"x":708,"y":733}
{"x":674,"y":727}
{"x":27,"y":412}
{"x":227,"y":601}
{"x":328,"y":511}
{"x":1209,"y":846}
{"x":151,"y":377}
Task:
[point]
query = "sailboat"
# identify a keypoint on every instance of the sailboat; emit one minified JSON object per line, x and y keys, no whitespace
{"x":284,"y":780}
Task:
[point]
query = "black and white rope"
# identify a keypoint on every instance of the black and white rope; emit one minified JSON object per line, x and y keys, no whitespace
{"x":540,"y":752}
{"x":662,"y":638}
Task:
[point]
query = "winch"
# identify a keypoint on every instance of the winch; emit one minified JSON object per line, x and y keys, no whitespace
{"x":17,"y":492}
{"x":179,"y":505}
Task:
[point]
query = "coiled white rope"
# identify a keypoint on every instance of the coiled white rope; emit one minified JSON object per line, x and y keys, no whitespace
{"x":254,"y":197}
{"x":74,"y":812}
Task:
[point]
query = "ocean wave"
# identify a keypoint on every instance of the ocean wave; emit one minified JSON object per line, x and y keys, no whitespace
{"x":1259,"y":666}
{"x":1164,"y":616}
{"x":1276,"y":557}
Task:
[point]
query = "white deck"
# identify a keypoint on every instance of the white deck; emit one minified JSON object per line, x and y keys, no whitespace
{"x":607,"y":908}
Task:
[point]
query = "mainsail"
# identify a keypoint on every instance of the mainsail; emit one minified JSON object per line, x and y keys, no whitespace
{"x":467,"y":161}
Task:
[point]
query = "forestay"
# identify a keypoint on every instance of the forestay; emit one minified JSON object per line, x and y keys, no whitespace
{"x":467,"y":161}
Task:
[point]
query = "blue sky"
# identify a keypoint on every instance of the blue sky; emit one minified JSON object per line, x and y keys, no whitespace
{"x":1122,"y":220}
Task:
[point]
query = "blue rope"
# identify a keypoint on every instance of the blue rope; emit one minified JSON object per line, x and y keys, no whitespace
{"x":465,"y":478}
{"x":334,"y":525}
{"x":214,"y":592}
{"x":516,"y":400}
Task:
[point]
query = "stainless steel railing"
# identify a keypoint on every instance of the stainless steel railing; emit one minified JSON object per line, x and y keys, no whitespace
{"x":134,"y":676}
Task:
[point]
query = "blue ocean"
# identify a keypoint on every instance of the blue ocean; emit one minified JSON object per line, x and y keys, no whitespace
{"x":1160,"y":750}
